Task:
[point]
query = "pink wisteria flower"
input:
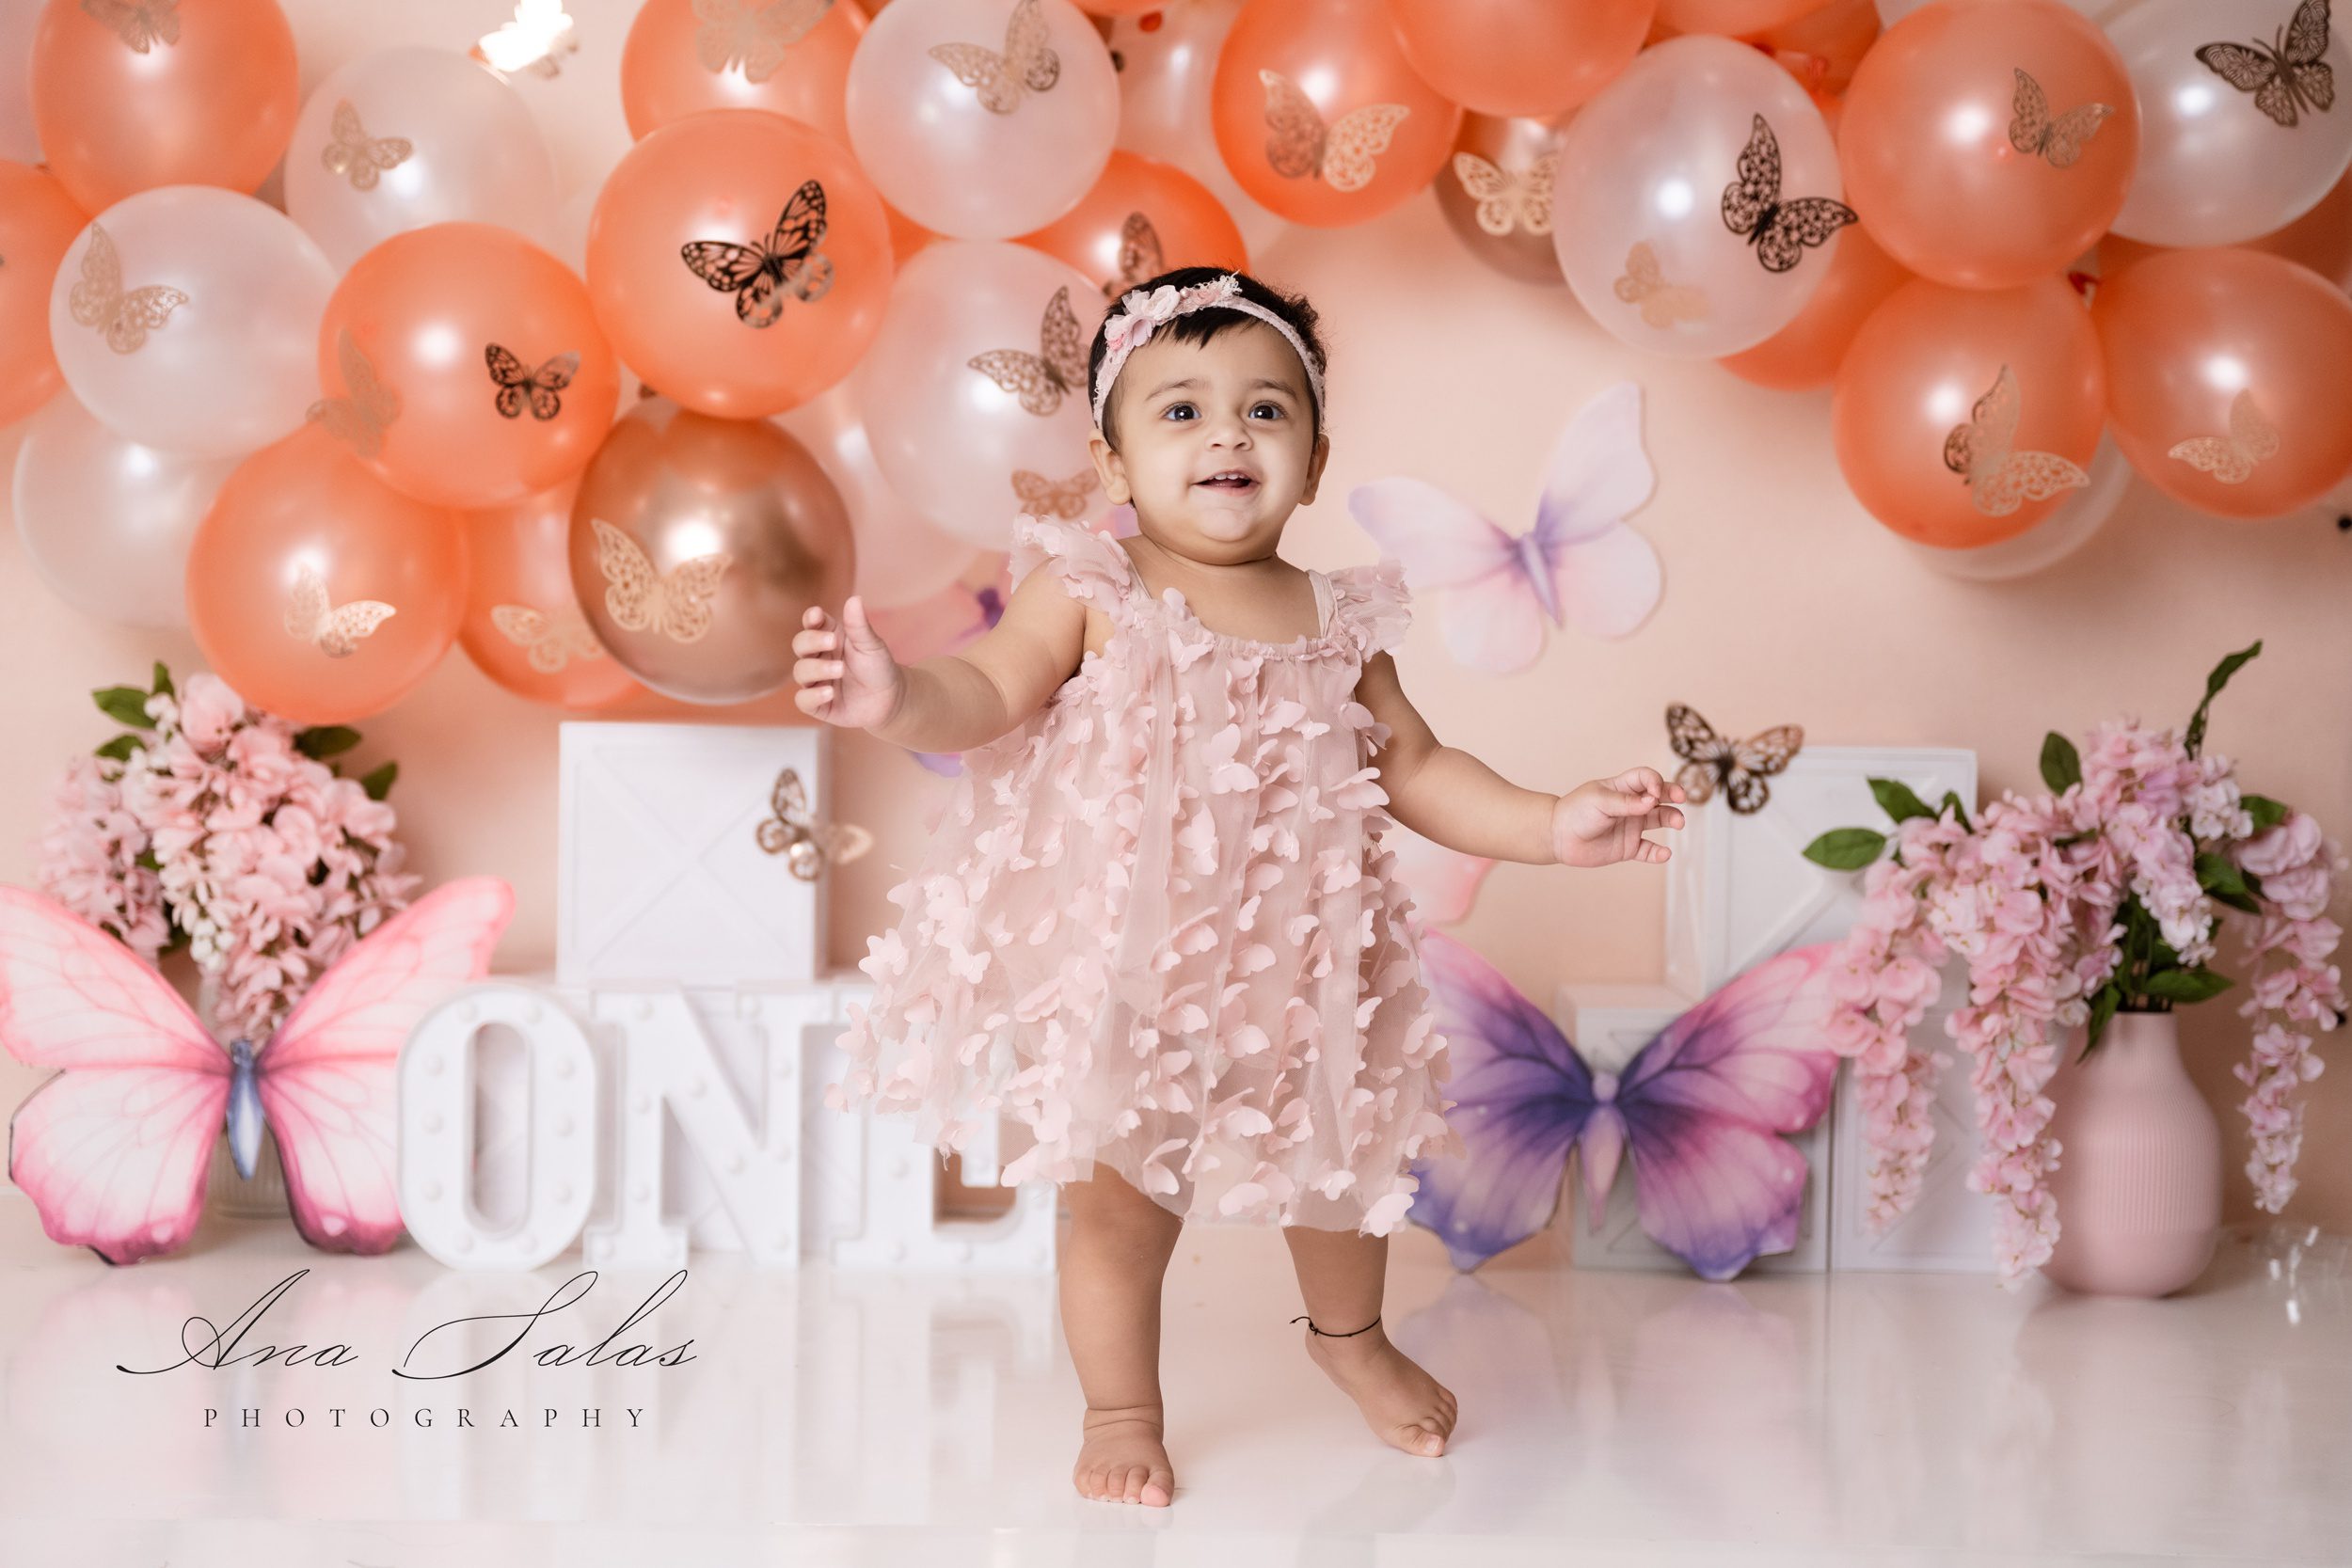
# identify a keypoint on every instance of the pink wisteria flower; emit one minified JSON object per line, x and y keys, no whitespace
{"x":2100,"y":896}
{"x":213,"y":823}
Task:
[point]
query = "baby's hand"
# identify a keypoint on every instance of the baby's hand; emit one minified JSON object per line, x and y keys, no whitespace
{"x":1601,"y":823}
{"x":846,"y":674}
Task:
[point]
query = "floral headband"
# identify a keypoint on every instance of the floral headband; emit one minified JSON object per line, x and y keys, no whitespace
{"x":1141,"y":315}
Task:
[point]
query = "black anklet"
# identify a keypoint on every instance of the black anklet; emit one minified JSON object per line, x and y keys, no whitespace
{"x":1328,"y":1335}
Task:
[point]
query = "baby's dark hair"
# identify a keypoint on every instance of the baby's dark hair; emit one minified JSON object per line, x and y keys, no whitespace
{"x":1199,"y":327}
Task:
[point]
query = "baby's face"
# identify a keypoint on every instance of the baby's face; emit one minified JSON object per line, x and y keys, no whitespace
{"x":1186,"y":412}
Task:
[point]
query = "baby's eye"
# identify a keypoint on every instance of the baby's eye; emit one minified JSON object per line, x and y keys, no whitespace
{"x":1276,"y":407}
{"x":1172,"y":408}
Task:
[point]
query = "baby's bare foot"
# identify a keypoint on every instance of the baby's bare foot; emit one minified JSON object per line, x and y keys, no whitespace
{"x":1121,"y":1459}
{"x":1408,"y":1407}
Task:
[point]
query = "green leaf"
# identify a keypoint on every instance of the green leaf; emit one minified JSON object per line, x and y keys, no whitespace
{"x":1960,"y":812}
{"x":2214,"y":683}
{"x":2103,"y":1006}
{"x":119,"y":747}
{"x":2265,"y":812}
{"x":163,"y":682}
{"x":2188,"y":985}
{"x":146,"y":858}
{"x":124,"y":704}
{"x":1846,"y":849}
{"x":2062,"y":765}
{"x":326,"y":740}
{"x":379,"y":783}
{"x":1898,"y":799}
{"x":2217,"y":874}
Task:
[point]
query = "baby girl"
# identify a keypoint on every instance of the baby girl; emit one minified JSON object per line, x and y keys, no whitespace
{"x":1155,"y":924}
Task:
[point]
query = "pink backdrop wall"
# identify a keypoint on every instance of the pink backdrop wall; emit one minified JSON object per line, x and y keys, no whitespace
{"x":1784,"y":603}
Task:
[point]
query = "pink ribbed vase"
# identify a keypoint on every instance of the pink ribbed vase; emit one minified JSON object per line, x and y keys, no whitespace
{"x":2139,"y":1183}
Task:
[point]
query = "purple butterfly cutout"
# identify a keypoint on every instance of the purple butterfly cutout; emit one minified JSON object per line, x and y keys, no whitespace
{"x":1701,"y":1108}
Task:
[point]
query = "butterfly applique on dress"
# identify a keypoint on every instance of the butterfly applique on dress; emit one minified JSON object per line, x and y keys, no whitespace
{"x":1041,"y":497}
{"x":551,"y":638}
{"x":99,"y":299}
{"x":1509,"y":200}
{"x":113,"y":1148}
{"x":2286,"y":75}
{"x":351,"y":152}
{"x":1752,"y":208}
{"x":1702,"y":1108}
{"x":2000,"y":478}
{"x":1663,"y":304}
{"x":2059,"y":142}
{"x":752,"y":35}
{"x":334,"y":629}
{"x":1055,"y":371}
{"x":1579,"y":565}
{"x":2231,"y":458}
{"x":1139,"y":256}
{"x":1739,"y":767}
{"x":806,"y":845}
{"x":675,"y":604}
{"x":141,"y":23}
{"x":1024,"y":65}
{"x":359,"y":418}
{"x":1300,"y":146}
{"x":762,"y":275}
{"x":518,"y":384}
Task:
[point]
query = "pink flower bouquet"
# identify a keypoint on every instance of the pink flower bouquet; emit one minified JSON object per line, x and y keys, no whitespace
{"x":212,"y":823}
{"x":2098,"y":896}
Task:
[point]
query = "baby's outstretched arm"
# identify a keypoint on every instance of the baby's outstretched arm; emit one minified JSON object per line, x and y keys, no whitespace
{"x":1451,"y":798}
{"x":950,"y":703}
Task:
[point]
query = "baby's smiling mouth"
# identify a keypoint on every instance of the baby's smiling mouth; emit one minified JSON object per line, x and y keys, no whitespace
{"x":1231,"y":480}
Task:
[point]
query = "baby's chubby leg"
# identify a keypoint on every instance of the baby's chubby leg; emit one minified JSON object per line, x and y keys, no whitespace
{"x":1111,"y":1274}
{"x":1340,"y":1274}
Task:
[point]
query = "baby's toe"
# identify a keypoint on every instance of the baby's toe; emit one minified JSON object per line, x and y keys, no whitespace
{"x":1159,"y":1489}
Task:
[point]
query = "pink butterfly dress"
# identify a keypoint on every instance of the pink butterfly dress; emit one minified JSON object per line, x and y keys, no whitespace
{"x":1153,"y":924}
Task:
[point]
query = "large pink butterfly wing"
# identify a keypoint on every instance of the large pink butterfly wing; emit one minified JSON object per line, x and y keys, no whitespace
{"x":112,"y":1151}
{"x":1706,"y":1104}
{"x":1605,"y":575}
{"x":1489,"y":611}
{"x":326,"y":1077}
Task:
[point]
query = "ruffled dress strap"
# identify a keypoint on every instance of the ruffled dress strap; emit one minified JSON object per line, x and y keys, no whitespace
{"x":1089,"y":563}
{"x":1372,"y":606}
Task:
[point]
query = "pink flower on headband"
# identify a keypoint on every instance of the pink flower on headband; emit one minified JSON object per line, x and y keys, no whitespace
{"x":1141,"y":315}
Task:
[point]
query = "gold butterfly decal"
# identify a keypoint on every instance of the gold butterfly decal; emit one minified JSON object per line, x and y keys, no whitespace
{"x":334,"y":629}
{"x":1058,"y":369}
{"x":358,"y":418}
{"x":533,"y":40}
{"x":141,"y":23}
{"x":675,"y":605}
{"x":1663,"y":304}
{"x":1041,"y":496}
{"x":1139,"y":256}
{"x":350,"y":150}
{"x":2286,"y":74}
{"x":1025,"y":64}
{"x":752,"y":34}
{"x":1780,"y":231}
{"x":1508,"y":200}
{"x":1999,"y":480}
{"x":518,"y":382}
{"x":2230,"y":458}
{"x":99,"y":299}
{"x":761,"y":276}
{"x":552,"y":639}
{"x":1300,"y":146}
{"x":2059,"y":141}
{"x":1738,"y":766}
{"x":806,"y":845}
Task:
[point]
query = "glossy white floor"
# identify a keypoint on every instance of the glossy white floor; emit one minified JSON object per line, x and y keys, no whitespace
{"x":829,"y":1417}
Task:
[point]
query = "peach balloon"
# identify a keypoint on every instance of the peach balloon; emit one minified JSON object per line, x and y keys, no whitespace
{"x":1520,"y":57}
{"x":2321,"y":240}
{"x":789,"y":58}
{"x":1963,"y":416}
{"x":1166,"y":67}
{"x":1989,"y":142}
{"x":906,"y":236}
{"x":38,"y":222}
{"x":523,"y":626}
{"x":1142,"y":218}
{"x":1319,"y":115}
{"x":1733,"y":18}
{"x":2227,"y":373}
{"x":1823,"y":48}
{"x":464,"y":367}
{"x":318,"y":591}
{"x":740,"y":261}
{"x":126,"y":98}
{"x":1807,"y":350}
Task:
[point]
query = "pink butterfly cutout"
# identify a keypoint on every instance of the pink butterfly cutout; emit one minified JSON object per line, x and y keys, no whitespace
{"x":1579,"y":565}
{"x":113,"y":1150}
